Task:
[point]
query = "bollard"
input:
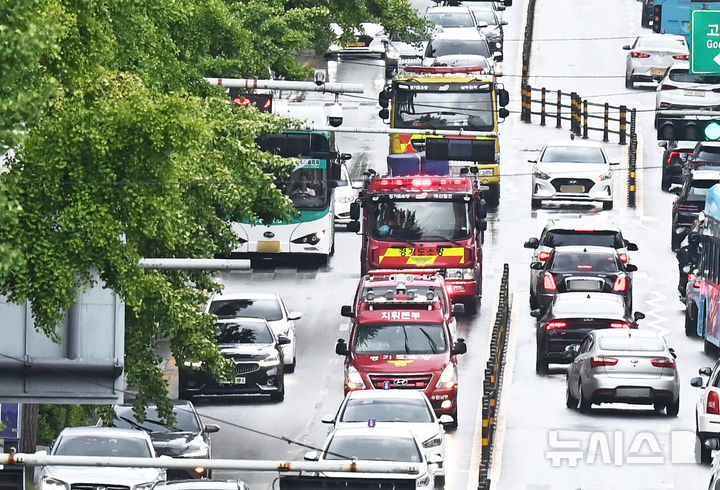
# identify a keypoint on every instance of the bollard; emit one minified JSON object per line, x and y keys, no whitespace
{"x":623,"y":124}
{"x":585,"y":120}
{"x":558,"y":110}
{"x":527,"y":105}
{"x":606,"y":123}
{"x":542,"y":107}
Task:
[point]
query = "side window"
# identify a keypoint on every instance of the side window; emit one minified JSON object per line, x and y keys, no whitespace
{"x":344,"y":176}
{"x":703,"y":266}
{"x":715,"y":379}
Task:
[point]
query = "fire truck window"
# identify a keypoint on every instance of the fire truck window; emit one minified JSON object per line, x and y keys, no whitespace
{"x":418,"y":220}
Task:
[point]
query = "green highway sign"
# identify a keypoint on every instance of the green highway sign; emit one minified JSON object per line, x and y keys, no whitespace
{"x":705,"y":42}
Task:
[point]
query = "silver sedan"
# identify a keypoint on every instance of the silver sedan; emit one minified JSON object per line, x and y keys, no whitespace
{"x":623,"y":366}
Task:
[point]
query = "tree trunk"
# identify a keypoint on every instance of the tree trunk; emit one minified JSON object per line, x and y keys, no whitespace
{"x":29,"y":427}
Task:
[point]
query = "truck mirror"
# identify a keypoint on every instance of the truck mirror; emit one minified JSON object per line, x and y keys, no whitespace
{"x":503,"y":113}
{"x":384,"y":114}
{"x":482,"y":225}
{"x":353,"y":226}
{"x":341,"y":348}
{"x":346,"y":310}
{"x":384,"y":100}
{"x":503,"y":97}
{"x":354,"y":211}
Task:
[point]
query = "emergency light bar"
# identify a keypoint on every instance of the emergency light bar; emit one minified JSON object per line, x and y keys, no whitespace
{"x":424,"y":183}
{"x":443,"y":69}
{"x":408,"y":297}
{"x":409,"y":275}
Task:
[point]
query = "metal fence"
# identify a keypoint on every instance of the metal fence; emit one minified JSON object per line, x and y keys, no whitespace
{"x":492,"y":382}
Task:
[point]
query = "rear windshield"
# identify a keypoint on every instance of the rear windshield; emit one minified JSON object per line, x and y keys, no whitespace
{"x":630,"y":343}
{"x":245,"y":333}
{"x":563,"y":307}
{"x":399,"y":410}
{"x":267,"y":309}
{"x":700,"y":189}
{"x":447,"y":47}
{"x":561,"y":238}
{"x":662,"y":42}
{"x":373,"y":448}
{"x":684,"y":76}
{"x":589,"y":262}
{"x":708,"y":155}
{"x":574,"y":154}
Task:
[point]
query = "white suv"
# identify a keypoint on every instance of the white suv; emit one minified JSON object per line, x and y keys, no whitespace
{"x":707,"y":408}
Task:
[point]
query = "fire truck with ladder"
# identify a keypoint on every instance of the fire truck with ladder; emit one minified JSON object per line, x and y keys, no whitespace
{"x":449,"y":98}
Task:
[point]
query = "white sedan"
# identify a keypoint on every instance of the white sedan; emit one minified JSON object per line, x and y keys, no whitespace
{"x":268,"y":306}
{"x":572,"y":171}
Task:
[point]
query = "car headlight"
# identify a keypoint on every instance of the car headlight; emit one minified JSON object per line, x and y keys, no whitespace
{"x":605,"y":176}
{"x":145,"y":486}
{"x":467,"y":273}
{"x":194,"y":364}
{"x":346,"y":199}
{"x":434,"y":441}
{"x":48,"y":483}
{"x":423,"y":480}
{"x":269,"y":362}
{"x":448,"y":378}
{"x":353,"y":380}
{"x":541,"y":175}
{"x":312,"y":239}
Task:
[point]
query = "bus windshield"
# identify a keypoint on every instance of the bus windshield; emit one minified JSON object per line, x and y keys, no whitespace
{"x":471,"y":110}
{"x":421,"y":220}
{"x":307,"y":186}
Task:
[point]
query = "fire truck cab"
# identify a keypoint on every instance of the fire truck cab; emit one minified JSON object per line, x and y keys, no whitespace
{"x":403,"y":336}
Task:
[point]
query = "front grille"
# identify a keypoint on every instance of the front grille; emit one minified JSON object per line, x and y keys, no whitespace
{"x":401,"y":381}
{"x":246,"y":367}
{"x":97,"y":486}
{"x":586,"y":183}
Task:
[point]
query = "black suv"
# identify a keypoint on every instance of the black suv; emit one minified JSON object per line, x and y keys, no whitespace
{"x":704,"y":154}
{"x":187,"y":438}
{"x":674,"y":157}
{"x":690,"y":201}
{"x":570,"y":317}
{"x":259,"y":365}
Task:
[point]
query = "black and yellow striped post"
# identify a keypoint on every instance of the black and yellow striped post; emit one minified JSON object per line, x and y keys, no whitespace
{"x":623,"y":125}
{"x":542,"y":106}
{"x":558,"y":110}
{"x":606,"y":123}
{"x":526,"y":103}
{"x":585,"y":119}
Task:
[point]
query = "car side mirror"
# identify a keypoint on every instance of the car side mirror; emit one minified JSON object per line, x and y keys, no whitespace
{"x":282,"y":340}
{"x":445,"y":419}
{"x":532,"y":243}
{"x":482,"y":25}
{"x":458,"y":308}
{"x":354,"y":211}
{"x":536,"y":313}
{"x":632,"y":247}
{"x":384,"y":114}
{"x":294,"y":315}
{"x":537,"y":265}
{"x":662,"y":144}
{"x":672,"y":352}
{"x":353,"y":226}
{"x":638,"y":315}
{"x":705,"y":371}
{"x":345,"y":156}
{"x":627,"y":47}
{"x":341,"y":348}
{"x":459,"y":347}
{"x":572,"y":351}
{"x":211,"y":428}
{"x":346,"y":310}
{"x":712,"y":444}
{"x":503,"y":22}
{"x":311,"y":456}
{"x":697,"y":382}
{"x":328,"y":419}
{"x":631,"y":268}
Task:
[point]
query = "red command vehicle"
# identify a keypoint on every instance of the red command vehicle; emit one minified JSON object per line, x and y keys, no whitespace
{"x":417,"y":222}
{"x":403,"y":337}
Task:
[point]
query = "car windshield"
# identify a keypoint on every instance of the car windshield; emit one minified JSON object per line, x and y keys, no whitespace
{"x":485,"y":15}
{"x":683,"y":75}
{"x":630,"y":343}
{"x":395,"y":410}
{"x":448,"y":47}
{"x":708,"y":155}
{"x":373,"y":448}
{"x":662,"y":42}
{"x":421,"y":220}
{"x":436,"y":109}
{"x":588,"y":306}
{"x":578,"y":261}
{"x":265,"y":308}
{"x":243,"y":333}
{"x":560,"y":238}
{"x":102,"y":445}
{"x":398,"y":338}
{"x":451,"y":19}
{"x":572,"y":154}
{"x":186,"y":421}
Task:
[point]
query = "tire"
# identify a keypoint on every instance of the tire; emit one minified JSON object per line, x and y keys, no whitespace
{"x":570,"y":401}
{"x":673,"y":409}
{"x":628,"y":82}
{"x":690,"y":322}
{"x":439,"y":481}
{"x":709,"y":348}
{"x":471,"y":306}
{"x":322,"y":260}
{"x":607,"y":205}
{"x":290,"y":368}
{"x":665,"y":185}
{"x":584,"y":405}
{"x":705,"y":453}
{"x":535,"y":203}
{"x":493,"y":196}
{"x":541,"y":364}
{"x":279,"y":395}
{"x":675,"y":241}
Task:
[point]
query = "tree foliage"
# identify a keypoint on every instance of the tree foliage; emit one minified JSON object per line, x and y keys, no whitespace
{"x":121,"y":151}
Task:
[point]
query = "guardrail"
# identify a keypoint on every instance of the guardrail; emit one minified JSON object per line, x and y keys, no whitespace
{"x":492,"y":383}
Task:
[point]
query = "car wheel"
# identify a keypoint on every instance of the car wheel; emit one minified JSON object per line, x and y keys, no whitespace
{"x":584,"y":404}
{"x":533,"y":302}
{"x":690,"y":322}
{"x":705,"y":453}
{"x":493,"y":196}
{"x":471,"y":306}
{"x":674,"y":408}
{"x":541,"y":364}
{"x":675,"y":240}
{"x":290,"y":368}
{"x":628,"y":82}
{"x":709,"y":348}
{"x":535,"y":203}
{"x":440,"y":481}
{"x":570,"y":401}
{"x":607,"y":205}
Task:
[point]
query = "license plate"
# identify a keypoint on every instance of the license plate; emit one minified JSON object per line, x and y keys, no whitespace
{"x":240,"y":380}
{"x":633,"y":392}
{"x":694,"y":93}
{"x":356,"y":44}
{"x":485,"y":172}
{"x":658,"y":72}
{"x":584,"y":285}
{"x":268,"y":246}
{"x":573,"y":189}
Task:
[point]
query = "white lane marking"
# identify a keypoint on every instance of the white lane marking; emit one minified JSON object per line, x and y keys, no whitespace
{"x":505,"y":399}
{"x":659,"y":313}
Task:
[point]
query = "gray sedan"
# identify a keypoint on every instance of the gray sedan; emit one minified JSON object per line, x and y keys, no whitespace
{"x":623,"y":366}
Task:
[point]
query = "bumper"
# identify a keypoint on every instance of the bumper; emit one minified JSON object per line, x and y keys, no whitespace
{"x":708,"y":424}
{"x":600,"y":191}
{"x":642,"y":73}
{"x":604,"y":389}
{"x":460,"y":290}
{"x":200,"y":383}
{"x":443,"y":401}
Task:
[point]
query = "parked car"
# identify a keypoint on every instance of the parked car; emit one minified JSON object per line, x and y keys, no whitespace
{"x":268,"y":306}
{"x":572,"y":171}
{"x":651,"y":56}
{"x":100,"y":442}
{"x":570,"y":317}
{"x":188,"y":437}
{"x":674,"y":158}
{"x":612,"y":366}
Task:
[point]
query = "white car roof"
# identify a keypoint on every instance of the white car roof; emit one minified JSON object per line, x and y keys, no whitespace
{"x":705,"y":174}
{"x":229,"y":295}
{"x":617,"y":332}
{"x":384,"y":431}
{"x":587,"y":144}
{"x":447,"y":9}
{"x":106,"y":432}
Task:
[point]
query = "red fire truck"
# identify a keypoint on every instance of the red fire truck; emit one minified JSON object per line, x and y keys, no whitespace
{"x":403,"y":337}
{"x":425,"y":221}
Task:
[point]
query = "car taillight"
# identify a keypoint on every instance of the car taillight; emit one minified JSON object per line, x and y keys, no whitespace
{"x":623,"y":257}
{"x":549,"y":282}
{"x":682,"y":57}
{"x":716,"y":90}
{"x":554,"y":325}
{"x":693,"y":208}
{"x":713,"y":403}
{"x":544,"y":256}
{"x":619,"y":325}
{"x":637,"y":54}
{"x":667,"y":86}
{"x":696,"y":283}
{"x":620,"y":284}
{"x":663,"y":362}
{"x":599,"y":361}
